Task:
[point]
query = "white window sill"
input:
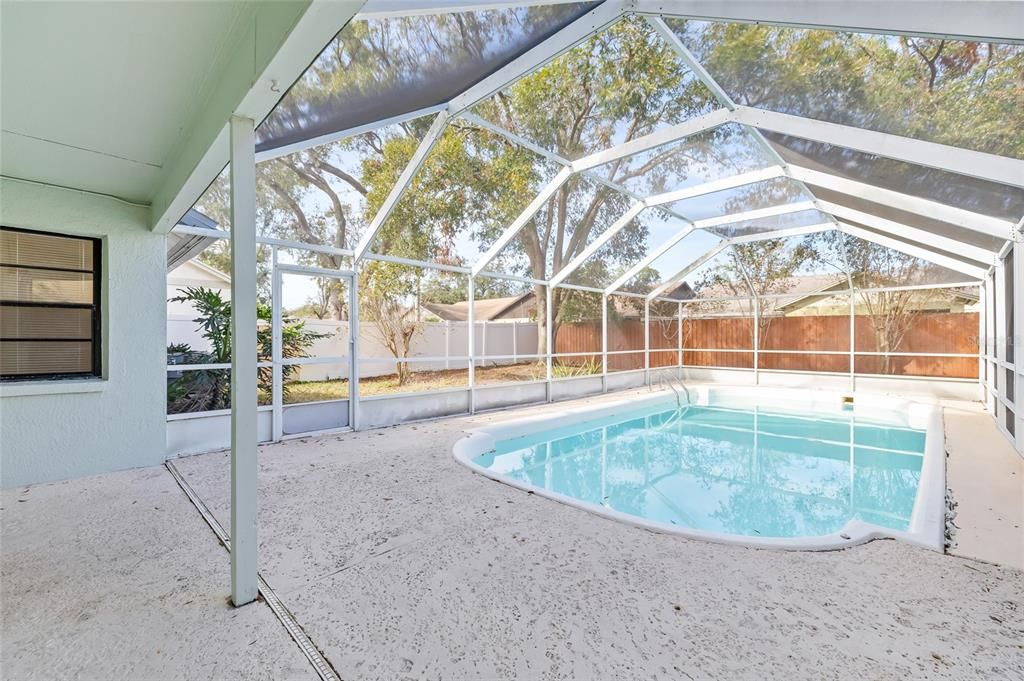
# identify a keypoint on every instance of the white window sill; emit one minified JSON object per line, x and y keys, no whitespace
{"x":65,"y":387}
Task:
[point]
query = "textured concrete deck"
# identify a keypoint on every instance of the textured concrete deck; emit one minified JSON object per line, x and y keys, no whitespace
{"x":117,"y":577}
{"x":402,"y":564}
{"x":986,"y":476}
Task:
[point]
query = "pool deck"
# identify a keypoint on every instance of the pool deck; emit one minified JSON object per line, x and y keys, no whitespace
{"x":987,"y":479}
{"x":401,"y":563}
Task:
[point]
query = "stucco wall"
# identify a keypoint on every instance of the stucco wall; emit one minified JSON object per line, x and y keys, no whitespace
{"x":76,"y":428}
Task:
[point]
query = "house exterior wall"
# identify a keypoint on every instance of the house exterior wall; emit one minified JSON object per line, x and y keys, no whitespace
{"x":93,"y":425}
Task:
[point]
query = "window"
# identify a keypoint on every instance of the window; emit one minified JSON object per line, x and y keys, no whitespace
{"x":49,"y":305}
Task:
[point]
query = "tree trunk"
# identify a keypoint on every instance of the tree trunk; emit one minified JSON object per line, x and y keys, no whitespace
{"x":336,"y":304}
{"x":541,"y":296}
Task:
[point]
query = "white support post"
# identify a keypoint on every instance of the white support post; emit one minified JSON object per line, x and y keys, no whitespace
{"x":244,"y":466}
{"x":679,"y":341}
{"x":993,"y":340}
{"x":990,"y":335}
{"x":757,"y":340}
{"x":353,"y":355}
{"x":550,"y":337}
{"x":1013,"y":335}
{"x":853,"y":340}
{"x":1000,"y":336}
{"x":447,"y":343}
{"x":471,"y":341}
{"x":983,"y":341}
{"x":647,"y":341}
{"x":515,"y":341}
{"x":277,"y":339}
{"x":604,"y":342}
{"x":483,"y":342}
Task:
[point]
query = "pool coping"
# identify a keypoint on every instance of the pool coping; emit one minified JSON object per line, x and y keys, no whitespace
{"x":927,"y":522}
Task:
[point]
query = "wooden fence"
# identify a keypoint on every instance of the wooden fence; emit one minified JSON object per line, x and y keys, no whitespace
{"x":728,"y":342}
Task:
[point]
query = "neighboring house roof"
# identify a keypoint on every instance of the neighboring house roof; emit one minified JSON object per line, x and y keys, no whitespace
{"x":195,"y":273}
{"x":790,"y":294}
{"x":487,"y":309}
{"x":184,"y":247}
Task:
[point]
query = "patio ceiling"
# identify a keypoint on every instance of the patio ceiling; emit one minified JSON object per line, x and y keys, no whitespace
{"x":127,"y":99}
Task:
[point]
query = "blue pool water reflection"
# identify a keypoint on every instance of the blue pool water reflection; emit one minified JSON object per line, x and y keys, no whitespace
{"x":744,"y":472}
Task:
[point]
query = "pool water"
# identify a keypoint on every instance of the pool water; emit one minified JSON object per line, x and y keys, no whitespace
{"x":750,"y":472}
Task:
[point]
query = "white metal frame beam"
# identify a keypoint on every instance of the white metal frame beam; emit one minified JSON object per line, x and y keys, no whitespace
{"x":977,"y":222}
{"x":404,"y":180}
{"x":977,"y":164}
{"x":660,"y":200}
{"x":552,"y":156}
{"x":782,"y":233}
{"x":672,"y":133}
{"x":686,"y":271}
{"x":590,"y":23}
{"x":915,"y":251}
{"x":920,"y":236}
{"x":512,"y":230}
{"x":704,"y":224}
{"x":383,"y":9}
{"x":708,"y":80}
{"x":982,"y":20}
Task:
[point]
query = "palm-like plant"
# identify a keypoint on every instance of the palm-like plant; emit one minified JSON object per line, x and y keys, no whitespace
{"x":210,"y":389}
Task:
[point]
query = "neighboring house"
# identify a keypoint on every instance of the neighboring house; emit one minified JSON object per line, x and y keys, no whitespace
{"x":519,"y":308}
{"x":183,"y":266}
{"x":192,"y":273}
{"x":184,"y":270}
{"x":826,"y":294}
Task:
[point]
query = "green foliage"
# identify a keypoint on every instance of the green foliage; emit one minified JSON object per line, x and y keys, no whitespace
{"x":954,"y":92}
{"x":588,"y":367}
{"x":210,"y":389}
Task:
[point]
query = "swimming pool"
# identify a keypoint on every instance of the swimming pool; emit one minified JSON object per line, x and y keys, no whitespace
{"x":772,"y":468}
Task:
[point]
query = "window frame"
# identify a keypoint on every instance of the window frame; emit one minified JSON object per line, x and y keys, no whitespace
{"x":96,"y":313}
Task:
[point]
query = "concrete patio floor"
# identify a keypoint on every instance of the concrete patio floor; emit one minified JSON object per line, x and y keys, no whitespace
{"x":401,"y":563}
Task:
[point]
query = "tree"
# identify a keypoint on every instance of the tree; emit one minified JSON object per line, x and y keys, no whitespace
{"x":755,"y":269}
{"x":617,"y":86}
{"x":892,"y":313}
{"x":395,"y":320}
{"x":954,"y":92}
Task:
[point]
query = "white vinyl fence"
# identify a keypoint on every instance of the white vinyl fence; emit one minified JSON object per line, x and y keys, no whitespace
{"x":507,"y":340}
